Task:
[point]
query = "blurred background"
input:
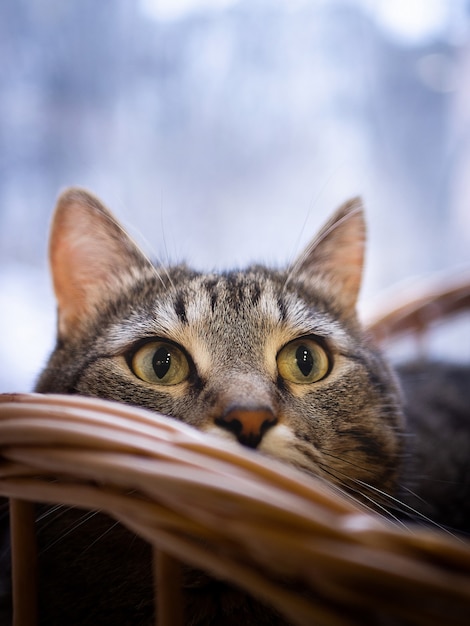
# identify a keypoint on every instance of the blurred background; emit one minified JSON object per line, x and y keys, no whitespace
{"x":226,"y":131}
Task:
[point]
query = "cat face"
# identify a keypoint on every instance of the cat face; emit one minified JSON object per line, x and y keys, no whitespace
{"x":272,"y":360}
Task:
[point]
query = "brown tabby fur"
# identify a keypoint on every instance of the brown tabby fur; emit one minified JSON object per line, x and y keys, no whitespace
{"x":346,"y":428}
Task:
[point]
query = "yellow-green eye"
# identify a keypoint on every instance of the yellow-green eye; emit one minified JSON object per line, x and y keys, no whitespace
{"x":160,"y":363}
{"x":303,"y":361}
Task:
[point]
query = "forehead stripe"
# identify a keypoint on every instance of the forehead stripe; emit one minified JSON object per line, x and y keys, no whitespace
{"x":282,"y":309}
{"x":180,"y":309}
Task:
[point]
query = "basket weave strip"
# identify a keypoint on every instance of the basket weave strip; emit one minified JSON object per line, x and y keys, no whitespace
{"x":24,"y":571}
{"x":298,"y":543}
{"x":415,"y":309}
{"x":167,"y":572}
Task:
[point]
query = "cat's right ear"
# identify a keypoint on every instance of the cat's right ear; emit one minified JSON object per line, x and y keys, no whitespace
{"x":333,"y":262}
{"x":90,"y":256}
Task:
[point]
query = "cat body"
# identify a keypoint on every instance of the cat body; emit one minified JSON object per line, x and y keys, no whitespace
{"x":435,"y":470}
{"x":274,"y":360}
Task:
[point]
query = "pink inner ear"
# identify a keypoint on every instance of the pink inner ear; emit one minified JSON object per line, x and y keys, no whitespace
{"x":334,"y":260}
{"x":89,"y":252}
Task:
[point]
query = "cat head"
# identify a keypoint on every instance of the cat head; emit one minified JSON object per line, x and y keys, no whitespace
{"x":273,"y":359}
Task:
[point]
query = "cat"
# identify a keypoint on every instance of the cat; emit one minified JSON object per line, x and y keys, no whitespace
{"x":275,"y":360}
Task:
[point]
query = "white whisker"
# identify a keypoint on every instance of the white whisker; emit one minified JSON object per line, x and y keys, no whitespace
{"x":83,"y":520}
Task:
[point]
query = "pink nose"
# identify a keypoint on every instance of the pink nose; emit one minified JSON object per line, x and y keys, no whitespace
{"x":248,"y":425}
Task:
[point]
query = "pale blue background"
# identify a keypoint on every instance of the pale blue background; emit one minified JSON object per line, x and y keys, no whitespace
{"x":225,"y":132}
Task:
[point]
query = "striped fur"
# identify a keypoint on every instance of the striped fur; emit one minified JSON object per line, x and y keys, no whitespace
{"x":231,"y":327}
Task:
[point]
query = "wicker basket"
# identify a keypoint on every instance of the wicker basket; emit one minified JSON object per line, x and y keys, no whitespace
{"x":416,"y":308}
{"x":250,"y":520}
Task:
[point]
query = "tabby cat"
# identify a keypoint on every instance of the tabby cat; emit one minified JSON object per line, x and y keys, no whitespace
{"x":273,"y":359}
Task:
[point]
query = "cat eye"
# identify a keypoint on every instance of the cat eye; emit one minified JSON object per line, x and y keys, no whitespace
{"x":303,"y":361}
{"x":160,"y":363}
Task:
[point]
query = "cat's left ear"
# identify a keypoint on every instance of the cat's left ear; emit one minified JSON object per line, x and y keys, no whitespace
{"x":333,"y":262}
{"x":91,"y":256}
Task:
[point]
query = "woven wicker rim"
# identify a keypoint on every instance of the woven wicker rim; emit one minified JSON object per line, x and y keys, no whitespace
{"x":248,"y":519}
{"x":416,"y":307}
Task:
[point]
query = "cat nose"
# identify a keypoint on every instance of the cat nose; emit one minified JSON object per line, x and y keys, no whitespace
{"x":247,"y":424}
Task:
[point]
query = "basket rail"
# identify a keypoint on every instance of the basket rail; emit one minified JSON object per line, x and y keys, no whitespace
{"x":419,"y":306}
{"x":173,"y":486}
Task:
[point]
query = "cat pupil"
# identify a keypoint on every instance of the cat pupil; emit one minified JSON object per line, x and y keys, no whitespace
{"x":304,"y":360}
{"x":161,"y":362}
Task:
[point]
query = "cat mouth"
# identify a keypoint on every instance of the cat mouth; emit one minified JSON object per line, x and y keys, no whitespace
{"x":279,"y":442}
